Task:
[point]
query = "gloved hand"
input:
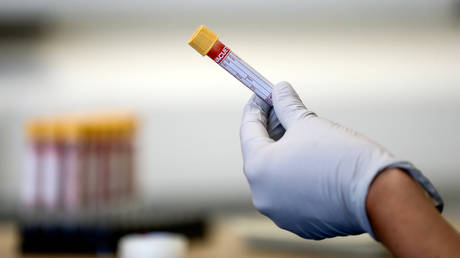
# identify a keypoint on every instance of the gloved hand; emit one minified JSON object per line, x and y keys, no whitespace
{"x":314,"y":180}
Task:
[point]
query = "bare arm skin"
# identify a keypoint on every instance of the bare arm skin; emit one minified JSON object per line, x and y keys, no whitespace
{"x":404,"y":219}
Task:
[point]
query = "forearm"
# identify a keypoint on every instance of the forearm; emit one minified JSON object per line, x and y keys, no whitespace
{"x":404,"y":219}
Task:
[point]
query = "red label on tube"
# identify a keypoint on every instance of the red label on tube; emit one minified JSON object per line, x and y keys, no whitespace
{"x":218,"y":52}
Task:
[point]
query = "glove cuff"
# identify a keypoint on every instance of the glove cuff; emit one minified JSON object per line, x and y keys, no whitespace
{"x":423,"y":181}
{"x":417,"y":175}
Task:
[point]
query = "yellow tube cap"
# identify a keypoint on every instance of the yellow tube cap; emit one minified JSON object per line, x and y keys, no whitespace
{"x":203,"y":40}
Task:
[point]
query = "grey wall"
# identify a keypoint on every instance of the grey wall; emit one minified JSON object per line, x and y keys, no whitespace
{"x":396,"y":82}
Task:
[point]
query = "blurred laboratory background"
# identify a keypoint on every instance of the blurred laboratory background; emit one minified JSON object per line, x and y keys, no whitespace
{"x":116,"y":80}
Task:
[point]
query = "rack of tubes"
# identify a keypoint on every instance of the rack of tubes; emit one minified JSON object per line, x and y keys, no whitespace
{"x":77,"y":163}
{"x":78,"y":190}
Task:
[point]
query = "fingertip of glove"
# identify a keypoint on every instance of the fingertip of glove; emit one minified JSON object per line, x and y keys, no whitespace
{"x":252,"y":100}
{"x":281,"y":85}
{"x":283,"y":89}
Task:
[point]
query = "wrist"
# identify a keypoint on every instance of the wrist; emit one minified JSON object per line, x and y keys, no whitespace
{"x":404,"y":218}
{"x":389,"y":195}
{"x":388,"y":187}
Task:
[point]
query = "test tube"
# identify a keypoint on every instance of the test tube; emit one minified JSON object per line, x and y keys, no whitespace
{"x":50,"y":166}
{"x":206,"y":42}
{"x":71,"y":159}
{"x":32,"y":169}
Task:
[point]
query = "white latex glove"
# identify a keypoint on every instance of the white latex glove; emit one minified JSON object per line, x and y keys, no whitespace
{"x":314,"y":180}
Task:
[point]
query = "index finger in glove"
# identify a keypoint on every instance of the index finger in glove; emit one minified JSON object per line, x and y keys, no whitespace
{"x":253,"y":131}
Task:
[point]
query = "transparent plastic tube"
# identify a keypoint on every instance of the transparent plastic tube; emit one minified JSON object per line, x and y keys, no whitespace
{"x":228,"y":60}
{"x":206,"y":42}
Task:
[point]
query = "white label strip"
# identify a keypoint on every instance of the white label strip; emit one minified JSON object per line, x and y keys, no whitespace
{"x":248,"y":76}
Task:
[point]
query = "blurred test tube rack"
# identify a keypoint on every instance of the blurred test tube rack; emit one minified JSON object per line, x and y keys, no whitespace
{"x":78,"y":190}
{"x":79,"y":162}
